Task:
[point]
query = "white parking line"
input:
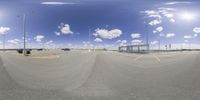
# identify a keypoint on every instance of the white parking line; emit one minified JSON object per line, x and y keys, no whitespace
{"x":157,"y":58}
{"x":172,"y":55}
{"x":137,"y":58}
{"x":47,"y":57}
{"x":86,"y":52}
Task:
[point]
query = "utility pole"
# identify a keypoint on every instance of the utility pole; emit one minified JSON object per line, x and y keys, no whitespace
{"x":170,"y":46}
{"x":4,"y":42}
{"x":89,"y":39}
{"x":24,"y":33}
{"x":147,"y":37}
{"x":190,"y":46}
{"x":159,"y":44}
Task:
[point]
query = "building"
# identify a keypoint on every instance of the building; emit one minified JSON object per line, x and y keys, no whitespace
{"x":134,"y":48}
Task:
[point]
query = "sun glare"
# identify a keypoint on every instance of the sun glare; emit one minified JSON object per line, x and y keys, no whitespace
{"x":188,"y":16}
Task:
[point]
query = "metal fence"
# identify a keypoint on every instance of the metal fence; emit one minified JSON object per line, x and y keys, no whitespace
{"x":134,"y":49}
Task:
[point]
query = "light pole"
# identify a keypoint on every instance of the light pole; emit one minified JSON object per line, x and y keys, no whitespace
{"x":3,"y":32}
{"x":4,"y":42}
{"x":89,"y":39}
{"x":190,"y":46}
{"x":159,"y":44}
{"x":147,"y":37}
{"x":24,"y":33}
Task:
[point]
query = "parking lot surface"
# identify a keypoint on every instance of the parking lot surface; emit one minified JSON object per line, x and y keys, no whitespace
{"x":100,"y":75}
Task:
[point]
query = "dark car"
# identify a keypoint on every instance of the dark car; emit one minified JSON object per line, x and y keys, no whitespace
{"x":20,"y":51}
{"x":39,"y":49}
{"x":66,"y":49}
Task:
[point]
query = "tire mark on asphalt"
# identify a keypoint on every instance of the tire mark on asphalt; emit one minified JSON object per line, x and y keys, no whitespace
{"x":94,"y":85}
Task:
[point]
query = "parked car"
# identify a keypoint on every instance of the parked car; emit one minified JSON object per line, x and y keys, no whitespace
{"x":39,"y":49}
{"x":66,"y":49}
{"x":21,"y":51}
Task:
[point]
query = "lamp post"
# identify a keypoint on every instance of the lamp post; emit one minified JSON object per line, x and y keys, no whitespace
{"x":89,"y":39}
{"x":3,"y":32}
{"x":159,"y":44}
{"x":4,"y":42}
{"x":24,"y":33}
{"x":147,"y":37}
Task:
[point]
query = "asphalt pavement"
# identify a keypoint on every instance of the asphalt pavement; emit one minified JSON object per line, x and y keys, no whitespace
{"x":100,"y":75}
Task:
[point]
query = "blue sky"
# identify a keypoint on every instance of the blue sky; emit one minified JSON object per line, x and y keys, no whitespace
{"x":66,"y":23}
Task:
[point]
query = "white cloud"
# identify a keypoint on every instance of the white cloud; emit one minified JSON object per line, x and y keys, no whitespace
{"x":154,"y":31}
{"x":135,"y":35}
{"x":106,"y":34}
{"x":65,"y":29}
{"x":123,"y":43}
{"x":49,"y":42}
{"x":195,"y":35}
{"x":57,"y":3}
{"x":177,"y":2}
{"x":162,"y":34}
{"x":95,"y":34}
{"x":172,"y":20}
{"x":69,"y":45}
{"x":159,"y":14}
{"x":14,"y":41}
{"x":159,"y":29}
{"x":155,"y":16}
{"x":166,"y":9}
{"x":190,"y":36}
{"x":154,"y":42}
{"x":98,"y":40}
{"x":87,"y":44}
{"x":186,"y":41}
{"x":187,"y":36}
{"x":39,"y":38}
{"x":169,"y":35}
{"x":136,"y":42}
{"x":57,"y":33}
{"x":168,"y":15}
{"x":152,"y":14}
{"x":118,"y":41}
{"x":167,"y":12}
{"x":196,"y":30}
{"x":155,"y":22}
{"x":4,"y":30}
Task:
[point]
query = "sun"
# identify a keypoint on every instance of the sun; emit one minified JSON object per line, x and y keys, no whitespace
{"x":187,"y":16}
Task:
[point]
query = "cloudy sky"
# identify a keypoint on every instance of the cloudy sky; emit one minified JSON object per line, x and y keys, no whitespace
{"x":111,"y":23}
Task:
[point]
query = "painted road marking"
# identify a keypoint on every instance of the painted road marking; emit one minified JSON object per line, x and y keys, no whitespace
{"x":87,"y":52}
{"x":157,"y":58}
{"x":172,"y":55}
{"x":137,"y":58}
{"x":130,"y":55}
{"x":46,"y":57}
